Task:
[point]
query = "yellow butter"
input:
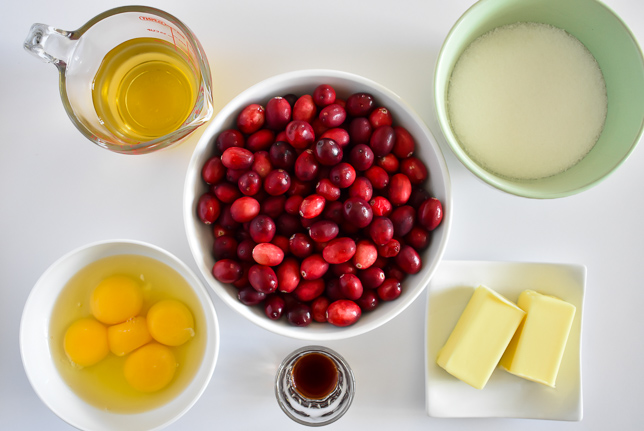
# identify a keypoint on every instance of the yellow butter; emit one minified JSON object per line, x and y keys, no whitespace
{"x":480,"y":337}
{"x":537,"y":347}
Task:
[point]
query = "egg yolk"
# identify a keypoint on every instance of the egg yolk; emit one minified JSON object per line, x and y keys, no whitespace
{"x":150,"y":368}
{"x":116,"y":299}
{"x":128,"y":336}
{"x":170,"y":322}
{"x":85,"y":342}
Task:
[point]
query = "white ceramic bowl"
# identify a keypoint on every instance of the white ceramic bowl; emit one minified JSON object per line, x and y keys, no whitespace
{"x":200,"y":236}
{"x":39,"y":363}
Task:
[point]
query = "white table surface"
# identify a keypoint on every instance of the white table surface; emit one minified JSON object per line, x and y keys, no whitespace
{"x":58,"y":192}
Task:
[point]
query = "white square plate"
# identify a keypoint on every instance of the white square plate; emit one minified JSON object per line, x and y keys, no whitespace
{"x":505,"y":395}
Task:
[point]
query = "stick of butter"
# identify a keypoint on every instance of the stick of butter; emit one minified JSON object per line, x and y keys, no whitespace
{"x":537,"y":347}
{"x":480,"y":337}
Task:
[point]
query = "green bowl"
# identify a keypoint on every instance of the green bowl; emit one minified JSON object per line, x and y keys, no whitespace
{"x":621,"y":62}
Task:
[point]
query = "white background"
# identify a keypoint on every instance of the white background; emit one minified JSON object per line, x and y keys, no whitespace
{"x":58,"y":191}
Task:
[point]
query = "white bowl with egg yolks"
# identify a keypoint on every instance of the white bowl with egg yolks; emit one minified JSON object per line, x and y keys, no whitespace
{"x":38,"y":361}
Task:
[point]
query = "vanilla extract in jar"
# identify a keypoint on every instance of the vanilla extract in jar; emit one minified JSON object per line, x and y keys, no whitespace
{"x":314,"y":376}
{"x":314,"y":386}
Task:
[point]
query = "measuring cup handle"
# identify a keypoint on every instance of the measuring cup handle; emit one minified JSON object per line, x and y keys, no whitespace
{"x":51,"y":45}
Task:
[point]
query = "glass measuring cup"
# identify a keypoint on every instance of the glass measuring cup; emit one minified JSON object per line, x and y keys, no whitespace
{"x":144,"y":112}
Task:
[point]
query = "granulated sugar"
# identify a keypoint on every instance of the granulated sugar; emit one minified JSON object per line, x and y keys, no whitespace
{"x":527,"y":100}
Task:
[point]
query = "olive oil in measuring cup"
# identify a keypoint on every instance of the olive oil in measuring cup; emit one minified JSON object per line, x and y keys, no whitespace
{"x":144,"y":89}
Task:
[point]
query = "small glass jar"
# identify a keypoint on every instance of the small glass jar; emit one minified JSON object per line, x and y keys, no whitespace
{"x":314,"y":386}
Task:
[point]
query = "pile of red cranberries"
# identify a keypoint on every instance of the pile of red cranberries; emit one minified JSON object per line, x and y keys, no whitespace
{"x":317,"y":207}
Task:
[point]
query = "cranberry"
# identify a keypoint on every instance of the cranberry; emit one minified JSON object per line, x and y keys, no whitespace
{"x":313,"y":267}
{"x":360,"y":104}
{"x":245,"y":250}
{"x":380,"y":117}
{"x":260,"y":140}
{"x":381,"y":230}
{"x":306,"y":166}
{"x":244,"y":209}
{"x":368,"y":301}
{"x":332,"y":115}
{"x":308,"y":290}
{"x":268,"y":254}
{"x":312,"y":206}
{"x":361,"y":188}
{"x":342,"y":175}
{"x":262,"y":163}
{"x":288,"y":275}
{"x":291,"y":99}
{"x":274,"y":307}
{"x":378,"y":177}
{"x":328,"y":190}
{"x":339,"y":250}
{"x":301,"y":245}
{"x":343,"y":312}
{"x":389,"y":249}
{"x":389,"y":290}
{"x":372,"y":277}
{"x":323,"y":95}
{"x":403,"y":219}
{"x":227,"y":270}
{"x":213,"y":170}
{"x":208,"y":208}
{"x":250,"y":183}
{"x":358,"y":212}
{"x":380,"y":206}
{"x":262,"y":278}
{"x":237,"y":158}
{"x":408,"y":260}
{"x":366,"y":254}
{"x":292,"y":204}
{"x":360,"y":130}
{"x":282,"y":155}
{"x":243,"y":280}
{"x":351,"y":286}
{"x":273,"y":206}
{"x":319,"y":307}
{"x":249,"y":296}
{"x":262,"y":229}
{"x":328,"y":152}
{"x":229,"y":138}
{"x":361,"y":157}
{"x":299,"y":315}
{"x":415,"y":170}
{"x":405,"y":145}
{"x":299,"y":134}
{"x":277,"y":182}
{"x":418,"y":238}
{"x":399,"y":189}
{"x":323,"y":231}
{"x":278,"y":113}
{"x":382,"y":140}
{"x":389,"y":163}
{"x":340,"y":136}
{"x":251,"y":118}
{"x":304,"y":109}
{"x":430,"y":214}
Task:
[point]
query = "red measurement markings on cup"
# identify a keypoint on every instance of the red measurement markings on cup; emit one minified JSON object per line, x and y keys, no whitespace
{"x":176,"y":36}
